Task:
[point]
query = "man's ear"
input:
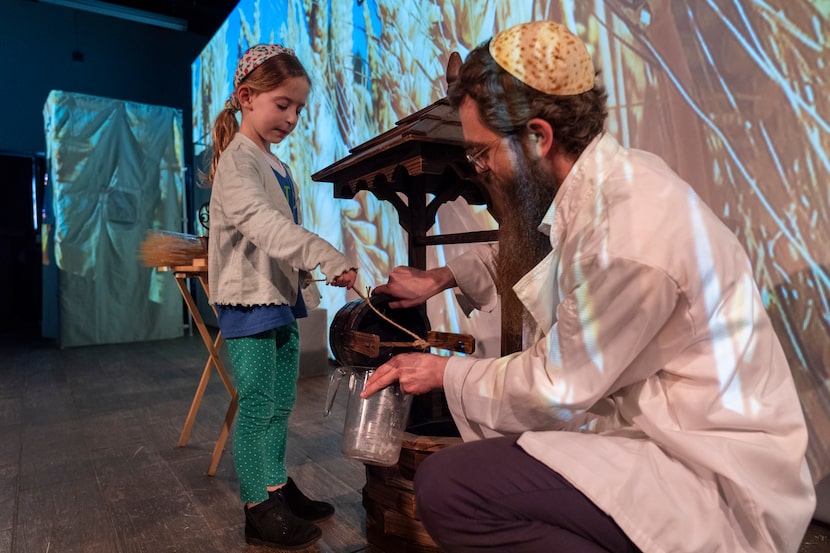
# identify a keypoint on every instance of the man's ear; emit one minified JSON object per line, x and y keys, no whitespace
{"x":540,"y":134}
{"x":536,"y":141}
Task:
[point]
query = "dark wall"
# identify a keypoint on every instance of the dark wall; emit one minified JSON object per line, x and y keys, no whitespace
{"x":121,"y":60}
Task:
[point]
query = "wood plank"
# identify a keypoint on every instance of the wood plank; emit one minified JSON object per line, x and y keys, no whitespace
{"x":69,"y":516}
{"x":6,"y":539}
{"x":390,"y":498}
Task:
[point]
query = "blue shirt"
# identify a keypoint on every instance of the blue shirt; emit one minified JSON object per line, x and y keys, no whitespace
{"x":238,"y":321}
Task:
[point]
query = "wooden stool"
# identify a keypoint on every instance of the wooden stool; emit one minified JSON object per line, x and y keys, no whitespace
{"x":198,"y":270}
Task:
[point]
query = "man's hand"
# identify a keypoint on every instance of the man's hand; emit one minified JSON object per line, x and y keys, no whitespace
{"x":418,"y":373}
{"x":414,"y":286}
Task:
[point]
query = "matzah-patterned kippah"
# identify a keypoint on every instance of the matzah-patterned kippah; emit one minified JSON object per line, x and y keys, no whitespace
{"x":546,"y":56}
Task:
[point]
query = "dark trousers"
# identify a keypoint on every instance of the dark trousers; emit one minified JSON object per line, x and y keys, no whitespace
{"x":490,"y":495}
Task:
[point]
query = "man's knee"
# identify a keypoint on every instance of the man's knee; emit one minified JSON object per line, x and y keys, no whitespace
{"x":435,"y":487}
{"x":429,"y":479}
{"x":439,"y":484}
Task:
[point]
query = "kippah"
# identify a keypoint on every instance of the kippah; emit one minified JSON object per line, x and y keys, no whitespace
{"x":546,"y":56}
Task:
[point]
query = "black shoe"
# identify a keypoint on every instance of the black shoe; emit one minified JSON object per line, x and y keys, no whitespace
{"x":300,"y":505}
{"x":272,"y":524}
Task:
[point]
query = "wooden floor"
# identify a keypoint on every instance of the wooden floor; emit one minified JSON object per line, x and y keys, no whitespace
{"x":89,"y":461}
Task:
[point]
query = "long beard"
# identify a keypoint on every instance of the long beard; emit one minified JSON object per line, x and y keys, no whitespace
{"x":521,"y":245}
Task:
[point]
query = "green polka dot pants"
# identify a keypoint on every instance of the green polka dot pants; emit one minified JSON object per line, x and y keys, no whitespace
{"x":266,"y":367}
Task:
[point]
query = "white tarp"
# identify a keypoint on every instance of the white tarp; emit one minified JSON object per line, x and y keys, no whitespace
{"x":115,"y":170}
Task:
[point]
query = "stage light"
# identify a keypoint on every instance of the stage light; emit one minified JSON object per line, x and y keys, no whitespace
{"x":122,"y":12}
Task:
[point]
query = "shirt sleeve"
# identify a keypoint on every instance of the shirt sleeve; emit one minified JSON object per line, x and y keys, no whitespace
{"x":606,"y":320}
{"x":248,"y":207}
{"x":475,"y":275}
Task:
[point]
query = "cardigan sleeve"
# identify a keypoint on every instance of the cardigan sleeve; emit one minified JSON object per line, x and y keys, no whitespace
{"x":248,"y":207}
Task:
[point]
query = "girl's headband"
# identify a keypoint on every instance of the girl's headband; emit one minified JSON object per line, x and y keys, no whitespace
{"x":256,"y":56}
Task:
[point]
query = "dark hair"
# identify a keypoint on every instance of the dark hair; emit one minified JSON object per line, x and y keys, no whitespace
{"x":269,"y":75}
{"x":506,"y":104}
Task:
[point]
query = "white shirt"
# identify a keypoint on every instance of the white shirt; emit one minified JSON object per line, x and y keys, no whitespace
{"x":659,"y":388}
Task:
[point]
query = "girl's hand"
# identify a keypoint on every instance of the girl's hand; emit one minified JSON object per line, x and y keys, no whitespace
{"x":346,"y":279}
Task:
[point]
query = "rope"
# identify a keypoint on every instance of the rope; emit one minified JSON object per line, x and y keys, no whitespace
{"x":418,"y":342}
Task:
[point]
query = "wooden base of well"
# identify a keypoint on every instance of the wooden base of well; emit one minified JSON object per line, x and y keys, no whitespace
{"x":392,"y":522}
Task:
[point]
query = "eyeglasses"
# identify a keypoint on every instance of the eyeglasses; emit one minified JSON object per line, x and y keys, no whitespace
{"x":476,"y":157}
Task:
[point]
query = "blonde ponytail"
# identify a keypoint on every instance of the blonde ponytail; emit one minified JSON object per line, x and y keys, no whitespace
{"x":224,"y":128}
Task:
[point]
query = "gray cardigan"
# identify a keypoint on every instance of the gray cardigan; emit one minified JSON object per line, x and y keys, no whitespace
{"x":255,"y":250}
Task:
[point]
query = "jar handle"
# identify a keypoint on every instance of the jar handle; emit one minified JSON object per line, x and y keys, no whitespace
{"x":334,"y":384}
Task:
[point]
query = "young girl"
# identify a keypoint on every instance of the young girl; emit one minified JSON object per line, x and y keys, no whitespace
{"x":259,"y":258}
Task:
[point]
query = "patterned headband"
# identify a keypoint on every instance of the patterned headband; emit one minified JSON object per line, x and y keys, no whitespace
{"x":256,"y":56}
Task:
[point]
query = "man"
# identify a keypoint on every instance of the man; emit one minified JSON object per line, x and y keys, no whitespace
{"x":652,"y":408}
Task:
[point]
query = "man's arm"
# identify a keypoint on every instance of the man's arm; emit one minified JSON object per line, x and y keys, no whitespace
{"x":415,"y":286}
{"x":473,"y":272}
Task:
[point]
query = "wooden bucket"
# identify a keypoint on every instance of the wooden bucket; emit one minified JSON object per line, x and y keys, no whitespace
{"x":392,"y":522}
{"x":358,"y":316}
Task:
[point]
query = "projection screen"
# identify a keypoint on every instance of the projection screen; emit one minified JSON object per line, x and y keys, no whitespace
{"x":730,"y":92}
